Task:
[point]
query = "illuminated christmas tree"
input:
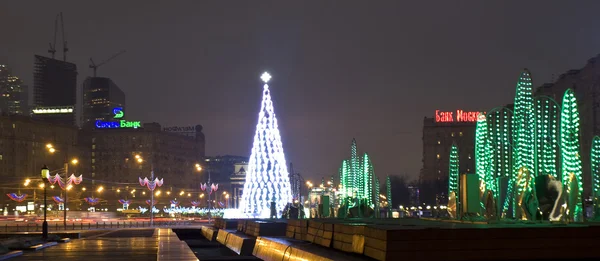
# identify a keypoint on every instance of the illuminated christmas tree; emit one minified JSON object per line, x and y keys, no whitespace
{"x":267,"y":180}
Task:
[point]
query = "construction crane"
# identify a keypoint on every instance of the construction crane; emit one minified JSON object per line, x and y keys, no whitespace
{"x":95,"y":66}
{"x":52,"y":49}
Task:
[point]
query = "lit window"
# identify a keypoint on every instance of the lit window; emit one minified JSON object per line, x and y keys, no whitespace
{"x":438,"y":156}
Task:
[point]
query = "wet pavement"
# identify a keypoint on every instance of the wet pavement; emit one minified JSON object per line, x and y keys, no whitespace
{"x":125,"y":244}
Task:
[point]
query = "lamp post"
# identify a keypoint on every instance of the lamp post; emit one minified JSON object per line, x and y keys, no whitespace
{"x":51,"y":149}
{"x":45,"y":173}
{"x":151,"y":185}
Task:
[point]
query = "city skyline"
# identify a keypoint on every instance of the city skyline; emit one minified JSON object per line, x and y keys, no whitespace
{"x":334,"y":78}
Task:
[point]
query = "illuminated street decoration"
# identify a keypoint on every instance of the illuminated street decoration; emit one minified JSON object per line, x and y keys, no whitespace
{"x":153,"y":202}
{"x":377,"y":188}
{"x":595,"y":169}
{"x":388,"y":184}
{"x":17,"y":197}
{"x":570,"y":151}
{"x":267,"y":179}
{"x":522,"y":130}
{"x":92,"y":201}
{"x":458,"y":116}
{"x":368,"y":180}
{"x":356,"y":176}
{"x":150,"y":184}
{"x":546,"y":136}
{"x":482,"y":161}
{"x":453,"y":171}
{"x":64,"y":184}
{"x":595,"y":160}
{"x":58,"y":199}
{"x":118,"y":115}
{"x":195,"y":203}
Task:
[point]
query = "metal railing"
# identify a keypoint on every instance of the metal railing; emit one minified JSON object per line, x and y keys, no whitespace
{"x":34,"y":227}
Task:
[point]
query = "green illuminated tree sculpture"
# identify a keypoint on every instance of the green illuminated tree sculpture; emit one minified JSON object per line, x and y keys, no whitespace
{"x":571,"y":170}
{"x":376,"y":199}
{"x":482,"y":161}
{"x":522,"y":128}
{"x":546,"y":136}
{"x":453,"y":171}
{"x":356,"y":175}
{"x":499,"y":153}
{"x":595,"y":160}
{"x":388,"y":185}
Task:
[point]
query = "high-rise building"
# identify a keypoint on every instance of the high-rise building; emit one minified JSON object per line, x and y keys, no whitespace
{"x":13,"y":94}
{"x":54,"y":90}
{"x":439,"y":133}
{"x":100,"y":96}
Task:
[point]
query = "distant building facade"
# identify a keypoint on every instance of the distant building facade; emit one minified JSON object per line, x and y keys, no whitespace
{"x":586,"y":84}
{"x":237,"y":180}
{"x":172,"y":157}
{"x":23,"y":153}
{"x":54,"y":90}
{"x":13,"y":94}
{"x":222,"y":167}
{"x":100,"y":96}
{"x":439,"y":133}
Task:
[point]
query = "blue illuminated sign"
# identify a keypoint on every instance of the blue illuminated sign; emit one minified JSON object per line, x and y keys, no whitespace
{"x":118,"y":114}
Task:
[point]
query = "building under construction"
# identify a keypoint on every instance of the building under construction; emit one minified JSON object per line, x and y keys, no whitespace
{"x":54,"y":90}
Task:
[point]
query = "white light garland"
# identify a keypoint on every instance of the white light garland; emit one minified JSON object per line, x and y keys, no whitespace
{"x":267,"y":179}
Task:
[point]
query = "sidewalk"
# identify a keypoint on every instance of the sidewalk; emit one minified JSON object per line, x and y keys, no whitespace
{"x":124,"y":244}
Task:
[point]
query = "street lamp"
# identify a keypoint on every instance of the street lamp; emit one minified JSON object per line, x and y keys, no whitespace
{"x":151,"y":185}
{"x":45,"y":173}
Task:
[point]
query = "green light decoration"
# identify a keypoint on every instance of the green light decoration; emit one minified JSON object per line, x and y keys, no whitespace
{"x":522,"y":129}
{"x":571,"y":170}
{"x":482,"y":154}
{"x":453,"y":171}
{"x":388,"y":184}
{"x":356,"y":175}
{"x":499,"y":140}
{"x":595,"y":160}
{"x":355,"y":166}
{"x":377,"y":201}
{"x":546,"y":136}
{"x":499,"y":152}
{"x":368,"y":180}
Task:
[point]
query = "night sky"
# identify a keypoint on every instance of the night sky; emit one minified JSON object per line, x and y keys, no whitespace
{"x":343,"y":69}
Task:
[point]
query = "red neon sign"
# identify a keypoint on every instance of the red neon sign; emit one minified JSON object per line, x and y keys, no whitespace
{"x":458,"y":116}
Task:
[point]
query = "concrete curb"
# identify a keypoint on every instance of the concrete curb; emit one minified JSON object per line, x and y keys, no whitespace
{"x":11,"y":254}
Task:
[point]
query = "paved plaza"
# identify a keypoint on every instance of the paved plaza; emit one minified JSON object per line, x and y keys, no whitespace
{"x":124,"y":244}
